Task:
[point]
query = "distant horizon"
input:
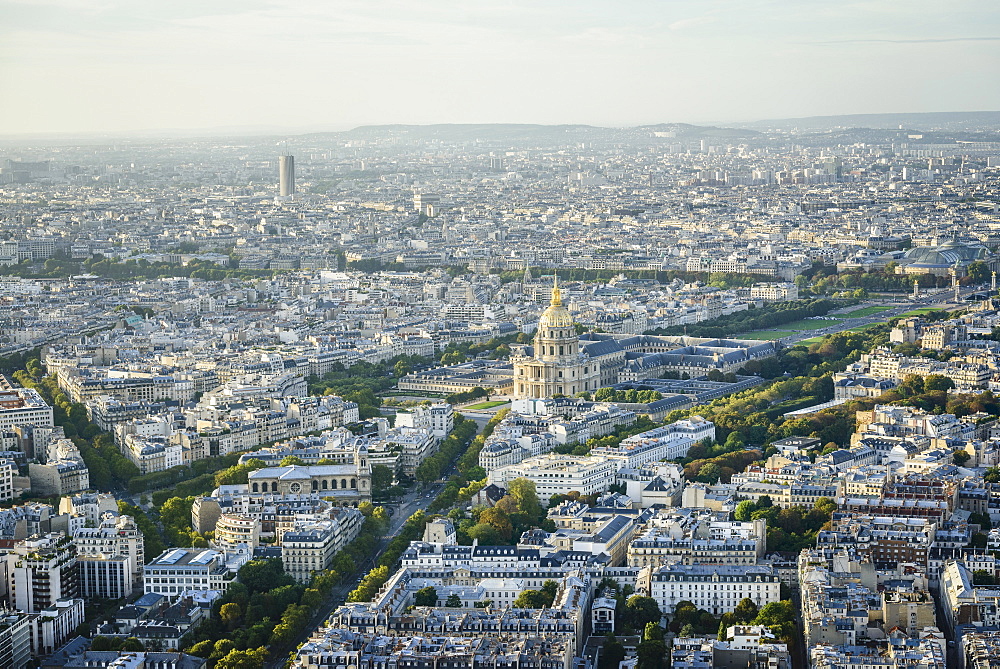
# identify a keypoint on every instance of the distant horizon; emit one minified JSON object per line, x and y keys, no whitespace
{"x":115,"y":67}
{"x":261,"y":130}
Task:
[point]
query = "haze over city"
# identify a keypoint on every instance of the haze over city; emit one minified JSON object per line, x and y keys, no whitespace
{"x":499,"y":335}
{"x":117,"y":66}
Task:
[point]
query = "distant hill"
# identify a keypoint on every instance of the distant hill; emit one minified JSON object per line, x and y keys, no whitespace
{"x":935,"y":126}
{"x":527,"y":132}
{"x":686,"y":130}
{"x":950,"y":121}
{"x":475,"y":131}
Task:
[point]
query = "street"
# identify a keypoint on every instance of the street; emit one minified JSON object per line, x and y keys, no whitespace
{"x":410,"y":503}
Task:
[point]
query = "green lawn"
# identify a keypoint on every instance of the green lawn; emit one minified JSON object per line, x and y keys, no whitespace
{"x":921,"y":310}
{"x":484,"y":405}
{"x":816,"y":340}
{"x":867,"y":311}
{"x":789,"y":328}
{"x":765,"y":334}
{"x":816,"y":324}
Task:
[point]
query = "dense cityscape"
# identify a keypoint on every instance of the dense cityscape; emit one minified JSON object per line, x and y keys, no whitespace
{"x":504,"y":396}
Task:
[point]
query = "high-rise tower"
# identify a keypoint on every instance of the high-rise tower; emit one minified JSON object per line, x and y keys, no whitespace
{"x":286,"y":175}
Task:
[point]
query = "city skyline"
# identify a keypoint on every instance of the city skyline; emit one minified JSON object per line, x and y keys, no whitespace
{"x":112,"y":67}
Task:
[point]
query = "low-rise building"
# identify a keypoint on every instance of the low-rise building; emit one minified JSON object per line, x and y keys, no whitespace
{"x":179,"y":570}
{"x":560,"y":474}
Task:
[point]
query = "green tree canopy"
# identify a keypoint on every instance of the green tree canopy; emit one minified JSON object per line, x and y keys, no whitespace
{"x":525,"y":495}
{"x":425,"y":597}
{"x":612,"y":653}
{"x":639,"y":611}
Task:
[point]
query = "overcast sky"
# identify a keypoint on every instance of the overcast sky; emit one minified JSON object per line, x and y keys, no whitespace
{"x":123,"y":65}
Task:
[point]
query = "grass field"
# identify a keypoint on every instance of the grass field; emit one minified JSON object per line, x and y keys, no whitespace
{"x":816,"y":340}
{"x":789,"y":328}
{"x":921,"y":310}
{"x":867,"y":311}
{"x":484,"y":405}
{"x":817,"y":324}
{"x":765,"y":334}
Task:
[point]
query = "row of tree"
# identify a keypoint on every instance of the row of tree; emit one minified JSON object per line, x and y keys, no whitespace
{"x":108,"y":468}
{"x":453,"y":445}
{"x":264,"y":610}
{"x":723,"y":280}
{"x":455,"y":448}
{"x":59,"y":267}
{"x":632,"y":396}
{"x":246,"y":626}
{"x":826,"y":280}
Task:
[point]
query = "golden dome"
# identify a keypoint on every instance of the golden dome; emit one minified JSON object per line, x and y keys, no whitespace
{"x":556,"y":316}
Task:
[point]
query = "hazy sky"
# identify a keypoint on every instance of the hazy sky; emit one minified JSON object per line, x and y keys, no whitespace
{"x":121,"y":65}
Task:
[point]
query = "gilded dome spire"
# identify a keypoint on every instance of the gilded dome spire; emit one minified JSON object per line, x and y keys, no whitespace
{"x":556,"y":316}
{"x":556,"y":293}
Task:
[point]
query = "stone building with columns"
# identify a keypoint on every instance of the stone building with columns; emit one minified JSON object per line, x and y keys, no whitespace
{"x":555,"y":365}
{"x":562,"y":363}
{"x":346,"y":484}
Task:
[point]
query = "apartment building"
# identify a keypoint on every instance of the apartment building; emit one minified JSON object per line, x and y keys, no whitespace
{"x":40,"y":571}
{"x":661,"y":443}
{"x":22,"y":406}
{"x":311,"y":545}
{"x":560,"y":474}
{"x":63,"y":473}
{"x":114,"y":535}
{"x":715,"y":588}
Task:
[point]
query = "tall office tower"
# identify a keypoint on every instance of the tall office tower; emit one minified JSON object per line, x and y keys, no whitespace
{"x":286,"y":175}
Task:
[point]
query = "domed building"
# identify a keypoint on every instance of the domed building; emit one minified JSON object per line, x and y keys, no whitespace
{"x":555,"y":365}
{"x":943,"y":259}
